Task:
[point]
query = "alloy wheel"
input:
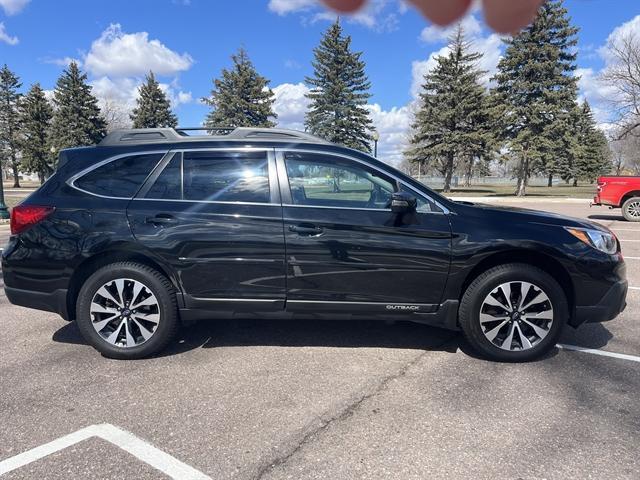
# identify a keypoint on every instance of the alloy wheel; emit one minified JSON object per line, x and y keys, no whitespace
{"x":516,"y":316}
{"x":633,"y":209}
{"x":125,"y":312}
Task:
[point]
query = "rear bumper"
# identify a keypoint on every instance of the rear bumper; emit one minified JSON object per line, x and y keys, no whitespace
{"x":55,"y":301}
{"x":608,"y":308}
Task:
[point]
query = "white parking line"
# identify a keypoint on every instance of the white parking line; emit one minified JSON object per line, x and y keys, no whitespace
{"x":631,"y":258}
{"x":140,"y":449}
{"x":627,"y":230}
{"x":604,"y":353}
{"x":634,"y":288}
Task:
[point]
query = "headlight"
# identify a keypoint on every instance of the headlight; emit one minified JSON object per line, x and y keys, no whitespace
{"x":603,"y":241}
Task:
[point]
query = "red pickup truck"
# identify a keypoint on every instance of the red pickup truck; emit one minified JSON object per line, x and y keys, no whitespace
{"x":620,"y":192}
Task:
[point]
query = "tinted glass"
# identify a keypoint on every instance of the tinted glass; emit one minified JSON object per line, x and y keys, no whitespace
{"x":329,"y":181}
{"x":119,"y":178}
{"x":424,"y":204}
{"x":226,"y":177}
{"x":168,"y":185}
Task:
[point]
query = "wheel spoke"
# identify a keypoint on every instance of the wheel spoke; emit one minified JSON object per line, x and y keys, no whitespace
{"x":493,"y":333}
{"x":147,"y":301}
{"x":484,"y":318}
{"x":524,"y":341}
{"x":541,"y":332}
{"x":506,"y":291}
{"x":545,"y":315}
{"x":146,"y":333}
{"x":531,"y":302}
{"x":104,"y":293}
{"x":506,"y":344}
{"x":97,"y":308}
{"x":137,"y":288}
{"x":149,"y":317}
{"x":100,"y":324}
{"x":130,"y":342}
{"x":494,"y":302}
{"x":114,"y":335}
{"x":120,"y":288}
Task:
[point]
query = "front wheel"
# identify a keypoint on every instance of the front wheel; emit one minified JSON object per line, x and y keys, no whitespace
{"x":127,"y":310}
{"x":513,"y":313}
{"x":631,"y":209}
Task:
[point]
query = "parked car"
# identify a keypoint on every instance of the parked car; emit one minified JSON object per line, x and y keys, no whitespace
{"x":154,"y":228}
{"x":620,"y":192}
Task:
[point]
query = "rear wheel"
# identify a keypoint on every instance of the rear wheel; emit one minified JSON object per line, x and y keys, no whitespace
{"x":631,"y":209}
{"x":513,"y":312}
{"x":127,"y":311}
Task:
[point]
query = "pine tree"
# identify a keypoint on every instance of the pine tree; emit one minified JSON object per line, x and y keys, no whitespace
{"x":537,"y":86}
{"x":77,"y":120}
{"x":453,"y":124}
{"x":35,"y":120}
{"x":339,"y":93}
{"x":153,"y":109}
{"x":10,"y":122}
{"x":594,"y":158}
{"x":241,"y":97}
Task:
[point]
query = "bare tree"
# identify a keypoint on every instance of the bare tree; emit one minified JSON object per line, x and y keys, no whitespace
{"x":623,"y":75}
{"x":626,"y":153}
{"x":116,"y":115}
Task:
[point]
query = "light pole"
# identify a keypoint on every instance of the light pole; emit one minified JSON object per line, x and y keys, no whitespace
{"x":375,"y":136}
{"x":4,"y":211}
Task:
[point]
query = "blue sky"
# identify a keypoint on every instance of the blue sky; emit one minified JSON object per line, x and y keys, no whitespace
{"x":188,"y":42}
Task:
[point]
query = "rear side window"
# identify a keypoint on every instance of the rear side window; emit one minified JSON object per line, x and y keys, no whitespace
{"x":214,"y":177}
{"x":120,"y":178}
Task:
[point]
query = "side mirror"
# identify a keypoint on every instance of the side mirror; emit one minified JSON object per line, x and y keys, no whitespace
{"x":403,"y":202}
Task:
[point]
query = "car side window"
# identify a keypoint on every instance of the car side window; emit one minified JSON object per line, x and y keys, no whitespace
{"x":168,"y":185}
{"x":425,"y":205}
{"x":119,"y":178}
{"x":332,"y":181}
{"x":214,"y":176}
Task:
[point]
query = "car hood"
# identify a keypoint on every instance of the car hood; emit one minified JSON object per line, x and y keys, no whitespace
{"x":536,"y":216}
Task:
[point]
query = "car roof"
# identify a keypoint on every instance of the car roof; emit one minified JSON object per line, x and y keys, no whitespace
{"x":146,"y":136}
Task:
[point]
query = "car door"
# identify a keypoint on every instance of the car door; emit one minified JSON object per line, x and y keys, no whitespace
{"x":214,"y":217}
{"x":346,"y":249}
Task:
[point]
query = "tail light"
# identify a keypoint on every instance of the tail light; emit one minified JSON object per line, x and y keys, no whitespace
{"x":25,"y":216}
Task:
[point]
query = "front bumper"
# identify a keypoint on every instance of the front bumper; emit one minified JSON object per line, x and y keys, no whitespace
{"x":608,"y":308}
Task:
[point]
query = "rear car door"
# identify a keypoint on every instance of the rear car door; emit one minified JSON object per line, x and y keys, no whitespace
{"x":214,"y":216}
{"x":346,"y":249}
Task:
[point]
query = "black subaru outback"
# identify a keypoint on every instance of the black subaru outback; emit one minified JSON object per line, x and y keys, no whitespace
{"x":154,"y":228}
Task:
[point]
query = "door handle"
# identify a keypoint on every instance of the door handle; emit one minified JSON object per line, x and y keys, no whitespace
{"x":306,"y":230}
{"x":162,"y":220}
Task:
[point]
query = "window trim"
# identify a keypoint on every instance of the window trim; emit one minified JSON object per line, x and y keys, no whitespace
{"x":274,"y":191}
{"x":284,"y":183}
{"x":71,"y":180}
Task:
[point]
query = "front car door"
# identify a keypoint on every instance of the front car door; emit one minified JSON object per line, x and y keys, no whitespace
{"x":215,"y":217}
{"x":346,"y":250}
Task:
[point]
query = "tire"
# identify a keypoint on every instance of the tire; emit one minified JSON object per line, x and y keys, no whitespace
{"x":631,"y":209}
{"x":118,"y":327}
{"x":532,"y":334}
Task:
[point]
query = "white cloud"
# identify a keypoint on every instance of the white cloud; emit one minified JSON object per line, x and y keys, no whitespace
{"x":434,"y":33}
{"x":379,"y":15}
{"x":632,"y":27}
{"x":291,"y":104}
{"x":11,"y":7}
{"x":129,"y":54}
{"x":392,"y":125}
{"x":282,"y":7}
{"x":6,"y":38}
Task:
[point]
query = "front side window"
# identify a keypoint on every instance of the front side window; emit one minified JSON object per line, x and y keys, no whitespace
{"x":215,"y":177}
{"x":330,"y":181}
{"x":120,"y":178}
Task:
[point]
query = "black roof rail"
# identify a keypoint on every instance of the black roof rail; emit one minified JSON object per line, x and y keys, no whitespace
{"x":181,"y":134}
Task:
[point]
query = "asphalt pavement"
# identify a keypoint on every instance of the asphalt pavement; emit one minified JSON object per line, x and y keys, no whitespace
{"x":252,"y":399}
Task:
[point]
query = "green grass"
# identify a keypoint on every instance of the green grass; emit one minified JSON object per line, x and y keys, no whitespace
{"x":559,"y":191}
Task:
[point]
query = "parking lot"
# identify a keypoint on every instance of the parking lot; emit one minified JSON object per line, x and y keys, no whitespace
{"x":329,"y":400}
